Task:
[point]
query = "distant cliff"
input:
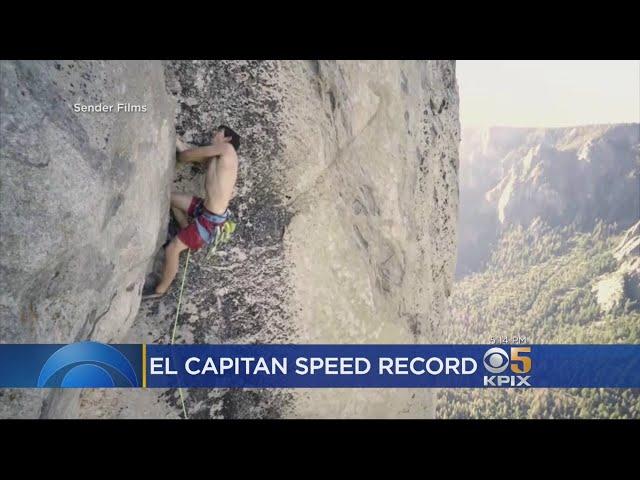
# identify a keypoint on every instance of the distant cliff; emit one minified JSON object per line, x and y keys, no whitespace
{"x":511,"y":176}
{"x":347,"y":204}
{"x":614,"y":288}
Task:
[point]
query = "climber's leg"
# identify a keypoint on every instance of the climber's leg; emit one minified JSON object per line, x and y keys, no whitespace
{"x":171,"y":263}
{"x":181,"y":201}
{"x":180,"y":217}
{"x":180,"y":204}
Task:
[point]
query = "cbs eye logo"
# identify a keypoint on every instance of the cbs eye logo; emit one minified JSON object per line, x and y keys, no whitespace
{"x":496,"y":360}
{"x":87,"y":365}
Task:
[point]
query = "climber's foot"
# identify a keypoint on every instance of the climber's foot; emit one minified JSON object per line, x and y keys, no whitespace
{"x":153,"y":296}
{"x":153,"y":291}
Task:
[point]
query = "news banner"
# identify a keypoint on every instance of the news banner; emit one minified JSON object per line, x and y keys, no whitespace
{"x":98,"y":365}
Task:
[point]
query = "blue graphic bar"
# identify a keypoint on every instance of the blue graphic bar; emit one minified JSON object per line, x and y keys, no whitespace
{"x":96,"y":365}
{"x":77,"y":365}
{"x":393,"y":366}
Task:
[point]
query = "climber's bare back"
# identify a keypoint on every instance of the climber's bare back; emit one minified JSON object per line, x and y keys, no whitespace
{"x":220,"y":180}
{"x":222,"y":170}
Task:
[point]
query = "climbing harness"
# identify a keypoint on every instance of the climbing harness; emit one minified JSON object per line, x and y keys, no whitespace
{"x":224,"y":226}
{"x":221,"y":234}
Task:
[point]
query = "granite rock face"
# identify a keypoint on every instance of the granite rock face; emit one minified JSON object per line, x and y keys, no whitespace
{"x":346,"y":207}
{"x":346,"y":203}
{"x":84,"y":199}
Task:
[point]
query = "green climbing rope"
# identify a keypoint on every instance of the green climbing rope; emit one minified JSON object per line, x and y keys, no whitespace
{"x":223,"y":234}
{"x":175,"y":323}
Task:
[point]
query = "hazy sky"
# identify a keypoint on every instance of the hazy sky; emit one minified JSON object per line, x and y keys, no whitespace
{"x":537,"y":93}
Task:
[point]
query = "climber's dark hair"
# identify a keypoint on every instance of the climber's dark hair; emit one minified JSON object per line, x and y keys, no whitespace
{"x":235,"y":138}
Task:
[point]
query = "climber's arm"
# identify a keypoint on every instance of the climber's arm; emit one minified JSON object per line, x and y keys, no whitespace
{"x":194,"y":155}
{"x":200,"y":154}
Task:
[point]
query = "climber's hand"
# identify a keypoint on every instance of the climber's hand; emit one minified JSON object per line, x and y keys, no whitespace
{"x":180,"y":145}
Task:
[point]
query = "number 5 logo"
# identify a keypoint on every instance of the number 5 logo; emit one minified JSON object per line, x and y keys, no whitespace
{"x":517,"y":357}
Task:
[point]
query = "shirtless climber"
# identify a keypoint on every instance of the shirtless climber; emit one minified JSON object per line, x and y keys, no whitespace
{"x":207,"y":213}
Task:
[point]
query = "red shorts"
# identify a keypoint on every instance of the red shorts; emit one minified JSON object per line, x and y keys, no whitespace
{"x":190,"y":236}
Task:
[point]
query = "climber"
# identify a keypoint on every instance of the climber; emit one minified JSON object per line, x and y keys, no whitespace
{"x":206,"y":213}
